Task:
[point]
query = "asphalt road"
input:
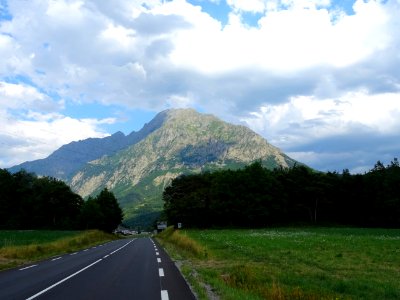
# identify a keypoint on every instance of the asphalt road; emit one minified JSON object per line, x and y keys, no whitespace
{"x":124,"y":269}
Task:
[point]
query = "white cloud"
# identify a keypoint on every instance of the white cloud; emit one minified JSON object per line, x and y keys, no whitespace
{"x":287,"y":40}
{"x":356,"y":161}
{"x":87,"y":51}
{"x":181,"y":101}
{"x":254,"y":6}
{"x":327,"y":133}
{"x":306,"y":119}
{"x":260,"y":6}
{"x":38,"y":135}
{"x":22,"y":96}
{"x":296,"y":4}
{"x":32,"y":127}
{"x":118,"y":36}
{"x":308,"y":69}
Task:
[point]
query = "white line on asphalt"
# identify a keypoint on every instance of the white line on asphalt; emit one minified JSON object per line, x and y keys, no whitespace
{"x":121,"y":247}
{"x":161,"y":272}
{"x":106,"y":256}
{"x":27,"y":267}
{"x":158,"y":259}
{"x":74,"y":253}
{"x":164,"y":295}
{"x":65,"y":279}
{"x":85,"y":250}
{"x":56,"y":258}
{"x":157,"y":253}
{"x":70,"y":276}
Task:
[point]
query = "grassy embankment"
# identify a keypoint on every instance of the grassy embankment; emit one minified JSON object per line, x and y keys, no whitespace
{"x":289,"y":263}
{"x":19,"y":247}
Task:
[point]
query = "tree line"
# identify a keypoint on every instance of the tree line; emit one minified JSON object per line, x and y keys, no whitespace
{"x":257,"y":197}
{"x":31,"y":202}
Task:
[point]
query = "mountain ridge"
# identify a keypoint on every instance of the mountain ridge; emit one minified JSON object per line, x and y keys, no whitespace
{"x":68,"y":159}
{"x":175,"y":142}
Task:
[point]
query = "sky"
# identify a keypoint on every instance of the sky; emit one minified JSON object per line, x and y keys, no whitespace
{"x":320,"y":79}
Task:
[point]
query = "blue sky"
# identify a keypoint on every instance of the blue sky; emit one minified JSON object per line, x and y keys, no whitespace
{"x":320,"y":79}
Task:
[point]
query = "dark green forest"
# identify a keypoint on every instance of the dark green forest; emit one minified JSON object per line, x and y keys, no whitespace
{"x":258,"y":197}
{"x":30,"y":202}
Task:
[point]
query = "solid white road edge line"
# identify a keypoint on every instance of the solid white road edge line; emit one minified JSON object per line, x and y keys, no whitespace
{"x":164,"y":295}
{"x":62,"y":280}
{"x":74,"y":253}
{"x":27,"y":267}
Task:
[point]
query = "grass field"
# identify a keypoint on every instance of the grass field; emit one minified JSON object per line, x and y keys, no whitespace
{"x":290,"y":263}
{"x":23,"y":246}
{"x":26,"y":237}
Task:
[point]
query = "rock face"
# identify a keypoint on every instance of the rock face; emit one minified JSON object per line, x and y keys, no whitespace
{"x":137,"y":167}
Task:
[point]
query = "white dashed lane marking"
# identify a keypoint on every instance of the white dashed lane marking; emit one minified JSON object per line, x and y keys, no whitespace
{"x":161,"y":272}
{"x":164,"y":295}
{"x":61,"y":281}
{"x":76,"y":273}
{"x":28,"y":267}
{"x":56,"y":258}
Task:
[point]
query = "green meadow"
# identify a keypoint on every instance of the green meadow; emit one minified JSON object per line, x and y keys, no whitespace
{"x":27,"y":237}
{"x":19,"y":247}
{"x":289,"y":263}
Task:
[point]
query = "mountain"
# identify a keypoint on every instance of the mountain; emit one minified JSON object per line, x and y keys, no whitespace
{"x":70,"y":158}
{"x":137,"y":167}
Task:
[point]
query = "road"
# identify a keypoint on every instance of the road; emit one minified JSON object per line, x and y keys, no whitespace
{"x":123,"y":269}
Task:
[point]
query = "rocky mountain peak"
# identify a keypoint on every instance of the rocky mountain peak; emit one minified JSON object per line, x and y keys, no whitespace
{"x":137,"y":167}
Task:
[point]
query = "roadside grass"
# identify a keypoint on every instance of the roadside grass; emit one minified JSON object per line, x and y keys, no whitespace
{"x":21,"y":247}
{"x":185,"y":244}
{"x":293,"y":263}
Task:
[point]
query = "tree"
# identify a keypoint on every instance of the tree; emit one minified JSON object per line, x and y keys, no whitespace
{"x":56,"y":206}
{"x":102,"y":212}
{"x":7,"y":203}
{"x":91,"y":214}
{"x":29,"y":202}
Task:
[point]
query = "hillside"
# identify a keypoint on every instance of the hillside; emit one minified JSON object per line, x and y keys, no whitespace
{"x":187,"y":142}
{"x":137,"y":167}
